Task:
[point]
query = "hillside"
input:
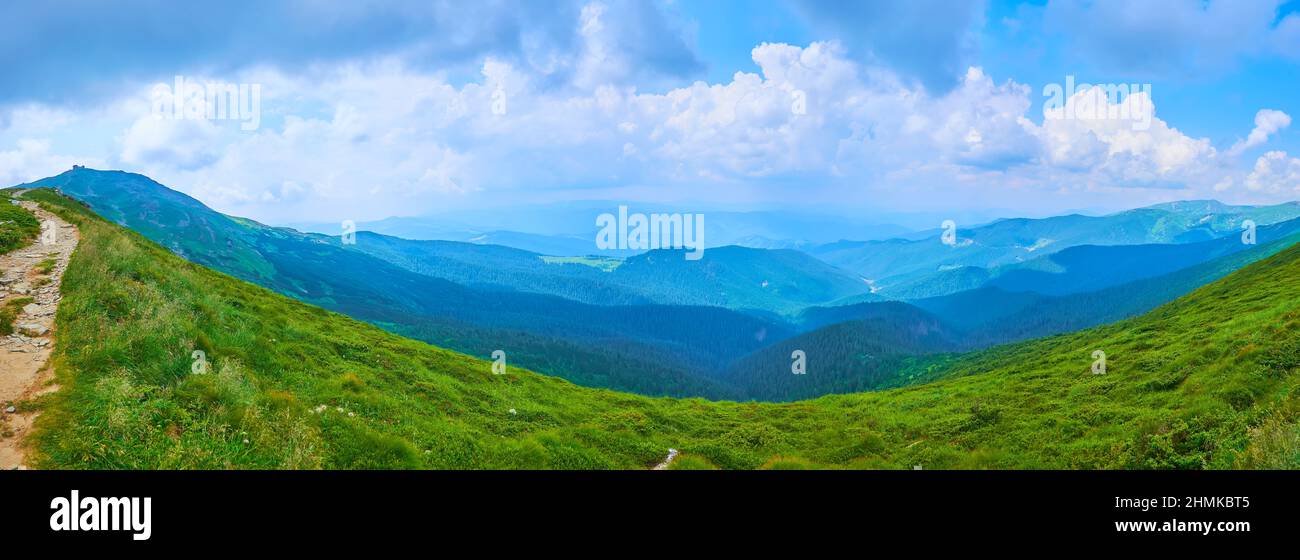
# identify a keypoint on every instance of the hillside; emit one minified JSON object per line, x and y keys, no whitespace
{"x":17,"y":226}
{"x":740,"y":278}
{"x":847,"y":349}
{"x":1081,"y":268}
{"x":567,"y":228}
{"x":915,"y":268}
{"x":650,"y":349}
{"x":991,"y":315}
{"x":1208,"y":381}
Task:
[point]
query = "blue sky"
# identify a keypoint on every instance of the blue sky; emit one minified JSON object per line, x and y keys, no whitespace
{"x":406,"y":108}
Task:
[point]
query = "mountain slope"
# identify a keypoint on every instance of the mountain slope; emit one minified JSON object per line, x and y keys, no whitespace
{"x":655,"y":349}
{"x":991,"y":315}
{"x":773,"y":281}
{"x":1081,"y":268}
{"x":847,"y":349}
{"x":1208,"y":381}
{"x":777,"y":280}
{"x":17,"y":225}
{"x":569,"y":228}
{"x":897,"y":264}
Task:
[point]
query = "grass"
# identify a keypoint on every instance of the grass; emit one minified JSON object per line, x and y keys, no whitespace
{"x":9,"y":310}
{"x":18,"y":226}
{"x":1208,"y":381}
{"x":46,"y":266}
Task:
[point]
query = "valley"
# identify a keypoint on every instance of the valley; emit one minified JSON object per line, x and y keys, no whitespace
{"x":658,"y":324}
{"x":1206,"y":381}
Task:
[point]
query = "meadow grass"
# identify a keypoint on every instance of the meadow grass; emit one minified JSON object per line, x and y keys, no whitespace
{"x":9,"y":310}
{"x":46,"y":266}
{"x":1208,"y":381}
{"x":18,"y":226}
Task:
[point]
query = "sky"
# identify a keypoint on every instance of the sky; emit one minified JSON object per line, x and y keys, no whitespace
{"x":856,"y":108}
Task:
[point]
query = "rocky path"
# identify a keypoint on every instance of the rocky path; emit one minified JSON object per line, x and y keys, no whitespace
{"x":30,"y":279}
{"x":672,"y":454}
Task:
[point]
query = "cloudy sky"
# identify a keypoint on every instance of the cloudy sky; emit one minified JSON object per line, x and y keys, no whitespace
{"x":408,"y":108}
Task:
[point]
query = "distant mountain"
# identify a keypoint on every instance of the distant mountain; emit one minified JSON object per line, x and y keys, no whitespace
{"x":994,"y":315}
{"x":770,"y":281}
{"x":903,"y":268}
{"x":496,"y":267}
{"x":1083,"y":268}
{"x":1088,"y":267}
{"x":569,"y":228}
{"x":553,"y":245}
{"x":780,"y":281}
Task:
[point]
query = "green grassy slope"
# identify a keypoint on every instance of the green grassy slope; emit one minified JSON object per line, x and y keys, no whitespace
{"x":1208,"y":381}
{"x":17,"y":225}
{"x":621,"y":347}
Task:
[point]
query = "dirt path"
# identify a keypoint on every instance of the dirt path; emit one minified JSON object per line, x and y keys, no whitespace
{"x":23,"y":354}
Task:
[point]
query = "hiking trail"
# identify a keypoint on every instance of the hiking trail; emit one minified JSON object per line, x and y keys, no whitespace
{"x":30,"y":281}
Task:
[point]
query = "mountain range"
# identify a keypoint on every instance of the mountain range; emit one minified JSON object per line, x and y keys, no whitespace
{"x":724,"y":327}
{"x":1205,"y":381}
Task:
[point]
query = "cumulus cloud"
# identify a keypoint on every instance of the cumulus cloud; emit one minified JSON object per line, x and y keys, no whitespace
{"x":32,"y":159}
{"x":368,"y":139}
{"x":184,"y":144}
{"x":1267,"y":123}
{"x":1125,"y":142}
{"x":1274,"y":172}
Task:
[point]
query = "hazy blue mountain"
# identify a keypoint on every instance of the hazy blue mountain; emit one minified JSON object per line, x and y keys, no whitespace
{"x":993,"y":315}
{"x":569,"y":228}
{"x":1049,"y":315}
{"x":556,"y":245}
{"x":774,"y":281}
{"x":781,"y":281}
{"x":1084,"y":268}
{"x":898,"y":266}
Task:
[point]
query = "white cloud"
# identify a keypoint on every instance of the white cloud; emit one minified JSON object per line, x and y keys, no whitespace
{"x":1125,"y":142}
{"x":184,"y":144}
{"x":32,"y":159}
{"x":1274,"y":172}
{"x":1267,"y":123}
{"x":369,"y":140}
